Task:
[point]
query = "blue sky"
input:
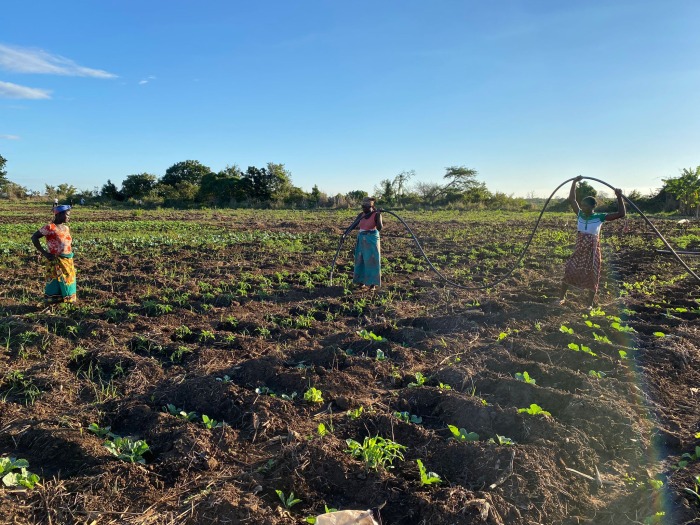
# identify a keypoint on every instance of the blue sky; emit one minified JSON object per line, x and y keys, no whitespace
{"x":528,"y":93}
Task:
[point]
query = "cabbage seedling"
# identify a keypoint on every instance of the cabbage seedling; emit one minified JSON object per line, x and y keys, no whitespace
{"x":460,"y":434}
{"x":525,"y":377}
{"x":313,"y":395}
{"x":23,"y":478}
{"x":534,"y":410}
{"x":427,"y":478}
{"x":288,"y":501}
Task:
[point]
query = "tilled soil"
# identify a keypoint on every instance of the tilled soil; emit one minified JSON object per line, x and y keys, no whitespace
{"x":162,"y":324}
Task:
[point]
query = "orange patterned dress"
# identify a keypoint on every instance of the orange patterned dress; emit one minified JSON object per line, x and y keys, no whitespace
{"x":60,"y":272}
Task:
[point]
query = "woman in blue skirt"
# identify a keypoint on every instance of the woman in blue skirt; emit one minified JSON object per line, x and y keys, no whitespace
{"x":368,"y":271}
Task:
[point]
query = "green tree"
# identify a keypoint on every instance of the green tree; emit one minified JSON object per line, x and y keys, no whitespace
{"x":583,"y":189}
{"x":3,"y":173}
{"x":138,"y":185}
{"x":428,"y":192}
{"x":110,"y":191}
{"x":280,"y":180}
{"x":62,"y":191}
{"x":461,"y":178}
{"x":315,"y":196}
{"x":385,"y":191}
{"x":356,"y":196}
{"x":399,"y":183}
{"x":686,"y":190}
{"x":222,"y":187}
{"x":267,"y":184}
{"x":190,"y":171}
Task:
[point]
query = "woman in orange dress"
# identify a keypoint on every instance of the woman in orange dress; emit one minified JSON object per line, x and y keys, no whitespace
{"x":60,"y":271}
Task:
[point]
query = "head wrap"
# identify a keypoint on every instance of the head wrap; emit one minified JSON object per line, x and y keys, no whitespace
{"x":61,"y":208}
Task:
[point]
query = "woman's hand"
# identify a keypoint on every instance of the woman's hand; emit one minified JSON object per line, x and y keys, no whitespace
{"x":578,"y":179}
{"x":50,"y":256}
{"x":618,"y":192}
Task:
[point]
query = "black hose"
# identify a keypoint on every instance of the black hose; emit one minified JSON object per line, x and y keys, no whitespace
{"x":527,"y":244}
{"x":678,"y":258}
{"x":340,"y":245}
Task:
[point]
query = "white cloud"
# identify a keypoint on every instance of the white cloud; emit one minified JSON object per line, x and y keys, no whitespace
{"x":146,"y":80}
{"x":9,"y":90}
{"x":142,"y":82}
{"x":9,"y":137}
{"x":25,"y":60}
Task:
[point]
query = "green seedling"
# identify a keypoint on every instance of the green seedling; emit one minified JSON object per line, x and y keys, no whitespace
{"x":695,"y":491}
{"x":287,"y":501}
{"x":179,"y":412}
{"x":376,"y":451}
{"x":16,"y":384}
{"x":420,"y":380}
{"x":371,"y":336}
{"x":597,"y":375}
{"x":210,"y":423}
{"x":591,"y":324}
{"x":225,"y":379}
{"x":460,"y":434}
{"x":380,"y":355}
{"x":501,"y":440}
{"x":566,"y":330}
{"x":621,"y":328}
{"x":327,"y":510}
{"x":601,"y":338}
{"x":103,"y":432}
{"x":206,"y":335}
{"x":356,"y":413}
{"x":534,"y":410}
{"x":14,"y":473}
{"x":408,"y":418}
{"x":444,"y":386}
{"x":686,"y":458}
{"x":656,"y":484}
{"x":659,"y":334}
{"x":655,"y":519}
{"x":525,"y":377}
{"x":581,"y":348}
{"x":127,"y":449}
{"x":596,"y":312}
{"x":313,"y":395}
{"x":427,"y":478}
{"x":622,"y":353}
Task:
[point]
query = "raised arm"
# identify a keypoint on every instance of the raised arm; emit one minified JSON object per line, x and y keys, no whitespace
{"x":572,"y":195}
{"x":621,"y":211}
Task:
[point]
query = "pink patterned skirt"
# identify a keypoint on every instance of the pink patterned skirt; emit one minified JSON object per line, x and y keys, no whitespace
{"x":583,"y":268}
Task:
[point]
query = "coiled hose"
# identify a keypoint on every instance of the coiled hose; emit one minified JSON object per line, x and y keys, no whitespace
{"x":527,"y":244}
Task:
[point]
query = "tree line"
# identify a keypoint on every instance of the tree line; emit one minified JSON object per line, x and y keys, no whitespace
{"x":190,"y":182}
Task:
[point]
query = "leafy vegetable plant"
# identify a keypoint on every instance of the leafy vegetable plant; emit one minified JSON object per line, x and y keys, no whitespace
{"x":427,"y":478}
{"x":14,"y":473}
{"x":127,"y":449}
{"x":525,"y":377}
{"x":420,"y":380}
{"x":376,"y":451}
{"x":534,"y":410}
{"x":287,"y":501}
{"x":313,"y":395}
{"x":461,"y":434}
{"x":408,"y":418}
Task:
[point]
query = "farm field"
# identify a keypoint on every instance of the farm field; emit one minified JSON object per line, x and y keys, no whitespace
{"x":209,"y":364}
